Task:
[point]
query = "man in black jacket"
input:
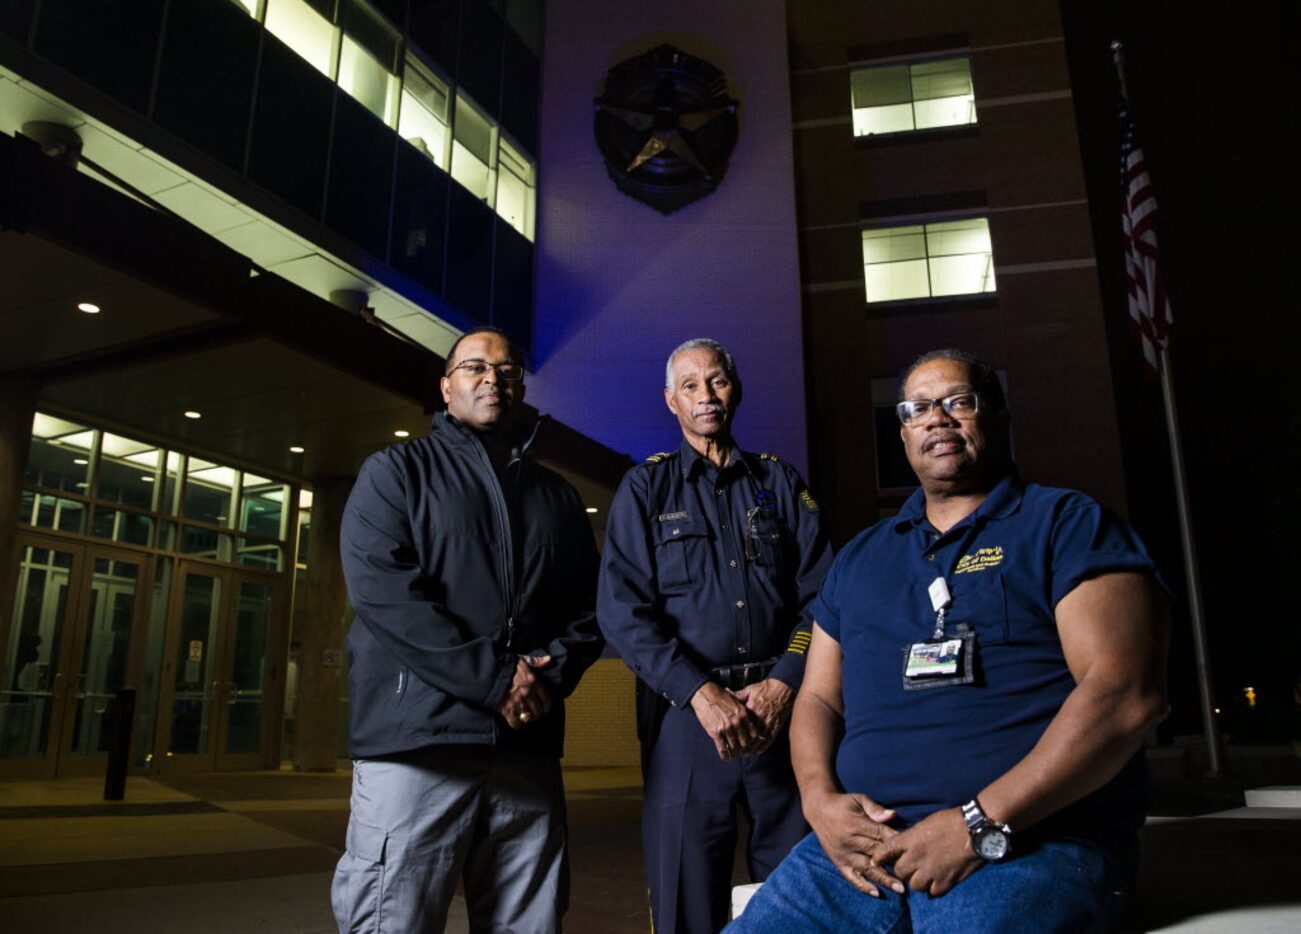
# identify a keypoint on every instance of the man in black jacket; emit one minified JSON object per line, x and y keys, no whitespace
{"x":472,"y":572}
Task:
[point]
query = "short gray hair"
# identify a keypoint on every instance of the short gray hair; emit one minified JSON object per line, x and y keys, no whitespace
{"x":701,"y":343}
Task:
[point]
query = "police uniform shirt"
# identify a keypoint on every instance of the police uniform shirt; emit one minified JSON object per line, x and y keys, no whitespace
{"x":679,"y":595}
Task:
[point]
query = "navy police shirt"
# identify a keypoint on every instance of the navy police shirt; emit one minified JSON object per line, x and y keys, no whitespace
{"x":679,"y":594}
{"x":1007,"y":565}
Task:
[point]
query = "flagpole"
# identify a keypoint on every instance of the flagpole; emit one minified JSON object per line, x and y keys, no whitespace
{"x":1187,"y":547}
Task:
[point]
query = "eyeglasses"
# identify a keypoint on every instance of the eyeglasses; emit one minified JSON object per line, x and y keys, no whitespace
{"x":511,"y":372}
{"x":960,"y":405}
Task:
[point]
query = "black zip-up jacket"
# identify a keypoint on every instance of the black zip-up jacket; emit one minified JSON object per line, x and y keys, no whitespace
{"x":455,"y":571}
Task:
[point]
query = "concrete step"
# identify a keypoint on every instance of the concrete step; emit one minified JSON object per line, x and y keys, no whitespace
{"x":1274,"y":796}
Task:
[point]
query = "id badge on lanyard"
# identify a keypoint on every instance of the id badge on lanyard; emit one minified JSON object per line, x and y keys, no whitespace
{"x":944,"y":659}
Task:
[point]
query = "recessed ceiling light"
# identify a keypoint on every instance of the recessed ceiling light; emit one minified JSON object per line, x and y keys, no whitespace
{"x":592,"y":509}
{"x":80,"y":461}
{"x":402,"y":433}
{"x":295,"y":449}
{"x":147,"y":478}
{"x":190,"y":413}
{"x":89,"y":308}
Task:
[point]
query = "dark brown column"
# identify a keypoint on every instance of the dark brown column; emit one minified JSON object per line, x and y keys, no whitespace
{"x":320,"y":623}
{"x":17,"y":405}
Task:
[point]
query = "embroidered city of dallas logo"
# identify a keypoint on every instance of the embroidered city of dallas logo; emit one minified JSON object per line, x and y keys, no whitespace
{"x":982,"y":559}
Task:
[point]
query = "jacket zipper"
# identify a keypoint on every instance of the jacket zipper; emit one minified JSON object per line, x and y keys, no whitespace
{"x":508,"y":552}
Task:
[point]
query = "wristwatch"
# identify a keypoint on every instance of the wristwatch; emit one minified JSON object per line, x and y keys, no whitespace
{"x":991,"y":840}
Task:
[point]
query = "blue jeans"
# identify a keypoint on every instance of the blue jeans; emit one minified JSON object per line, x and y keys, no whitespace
{"x":1055,"y":886}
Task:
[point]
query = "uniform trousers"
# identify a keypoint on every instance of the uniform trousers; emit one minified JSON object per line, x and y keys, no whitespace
{"x":689,"y":822}
{"x":493,"y":818}
{"x":1055,"y":887}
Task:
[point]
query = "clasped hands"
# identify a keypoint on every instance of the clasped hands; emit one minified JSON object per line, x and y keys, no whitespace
{"x":528,"y":698}
{"x":744,"y":722}
{"x":932,"y":856}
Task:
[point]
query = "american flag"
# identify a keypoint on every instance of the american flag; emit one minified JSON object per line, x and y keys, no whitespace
{"x":1149,"y":307}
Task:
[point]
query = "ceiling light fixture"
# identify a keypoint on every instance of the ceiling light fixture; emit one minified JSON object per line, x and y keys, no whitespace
{"x":89,"y":308}
{"x":147,"y":478}
{"x":592,"y":509}
{"x":190,"y":413}
{"x":295,"y":449}
{"x":402,"y":433}
{"x":80,"y":461}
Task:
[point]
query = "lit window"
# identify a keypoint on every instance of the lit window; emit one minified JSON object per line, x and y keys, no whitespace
{"x":516,"y":191}
{"x":307,"y":27}
{"x":252,"y":6}
{"x":367,"y":59}
{"x":472,"y":151}
{"x":902,"y":98}
{"x":423,"y":118}
{"x":928,"y":260}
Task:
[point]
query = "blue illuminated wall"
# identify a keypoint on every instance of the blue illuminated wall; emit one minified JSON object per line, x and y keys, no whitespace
{"x":619,"y":285}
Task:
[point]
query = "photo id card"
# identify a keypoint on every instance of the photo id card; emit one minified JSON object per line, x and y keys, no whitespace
{"x":939,"y":662}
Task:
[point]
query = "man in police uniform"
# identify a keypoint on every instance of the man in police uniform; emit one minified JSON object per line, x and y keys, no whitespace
{"x":982,"y":673}
{"x":712,"y":556}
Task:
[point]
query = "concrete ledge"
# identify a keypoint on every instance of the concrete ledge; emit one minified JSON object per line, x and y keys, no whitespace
{"x":1274,"y":796}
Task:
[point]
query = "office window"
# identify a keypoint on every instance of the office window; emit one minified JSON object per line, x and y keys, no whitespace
{"x":921,"y":96}
{"x":928,"y":260}
{"x":307,"y":27}
{"x":368,"y":61}
{"x":516,"y":188}
{"x":473,"y":151}
{"x":422,"y":121}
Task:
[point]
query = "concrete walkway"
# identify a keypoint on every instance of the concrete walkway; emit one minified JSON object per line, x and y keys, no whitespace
{"x":253,"y":852}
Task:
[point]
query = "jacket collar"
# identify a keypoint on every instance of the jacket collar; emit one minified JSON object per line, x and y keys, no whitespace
{"x":457,"y":431}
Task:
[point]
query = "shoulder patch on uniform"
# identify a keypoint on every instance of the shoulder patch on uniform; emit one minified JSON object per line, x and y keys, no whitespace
{"x":770,"y":457}
{"x":662,"y":455}
{"x":809,"y":502}
{"x":672,"y":516}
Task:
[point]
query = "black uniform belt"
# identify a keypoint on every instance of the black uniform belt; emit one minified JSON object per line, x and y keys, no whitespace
{"x":735,"y":677}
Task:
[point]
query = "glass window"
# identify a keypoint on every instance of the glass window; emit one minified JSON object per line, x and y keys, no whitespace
{"x":367,"y":59}
{"x":53,"y":512}
{"x":127,"y":471}
{"x":307,"y":27}
{"x":422,"y":121}
{"x":60,"y":453}
{"x":209,"y":490}
{"x":473,"y":150}
{"x":121,"y":526}
{"x":253,"y":7}
{"x":262,"y":507}
{"x":260,"y":555}
{"x":516,"y":191}
{"x":920,"y":96}
{"x":928,"y":260}
{"x":204,"y":543}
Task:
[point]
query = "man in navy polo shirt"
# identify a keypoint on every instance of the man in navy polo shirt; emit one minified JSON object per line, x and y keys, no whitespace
{"x":992,"y":657}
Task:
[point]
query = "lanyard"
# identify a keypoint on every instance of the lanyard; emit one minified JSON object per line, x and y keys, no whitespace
{"x":941,"y":598}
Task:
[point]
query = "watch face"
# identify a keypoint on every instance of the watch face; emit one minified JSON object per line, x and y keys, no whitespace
{"x":991,"y":843}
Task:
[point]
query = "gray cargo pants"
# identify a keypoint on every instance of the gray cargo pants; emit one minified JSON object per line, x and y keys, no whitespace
{"x":419,"y":824}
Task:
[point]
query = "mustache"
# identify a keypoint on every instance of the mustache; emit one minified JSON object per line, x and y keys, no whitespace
{"x":709,"y":408}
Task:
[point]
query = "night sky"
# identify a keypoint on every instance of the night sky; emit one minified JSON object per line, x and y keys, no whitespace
{"x":1211,"y":108}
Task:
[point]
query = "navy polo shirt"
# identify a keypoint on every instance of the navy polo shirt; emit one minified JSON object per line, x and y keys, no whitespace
{"x":1007,"y":565}
{"x":678,"y":594}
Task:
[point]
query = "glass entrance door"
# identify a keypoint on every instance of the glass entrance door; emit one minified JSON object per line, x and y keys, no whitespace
{"x":74,"y":642}
{"x":222,"y":675}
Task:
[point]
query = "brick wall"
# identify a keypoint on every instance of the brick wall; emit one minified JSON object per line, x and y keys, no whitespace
{"x":601,"y":726}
